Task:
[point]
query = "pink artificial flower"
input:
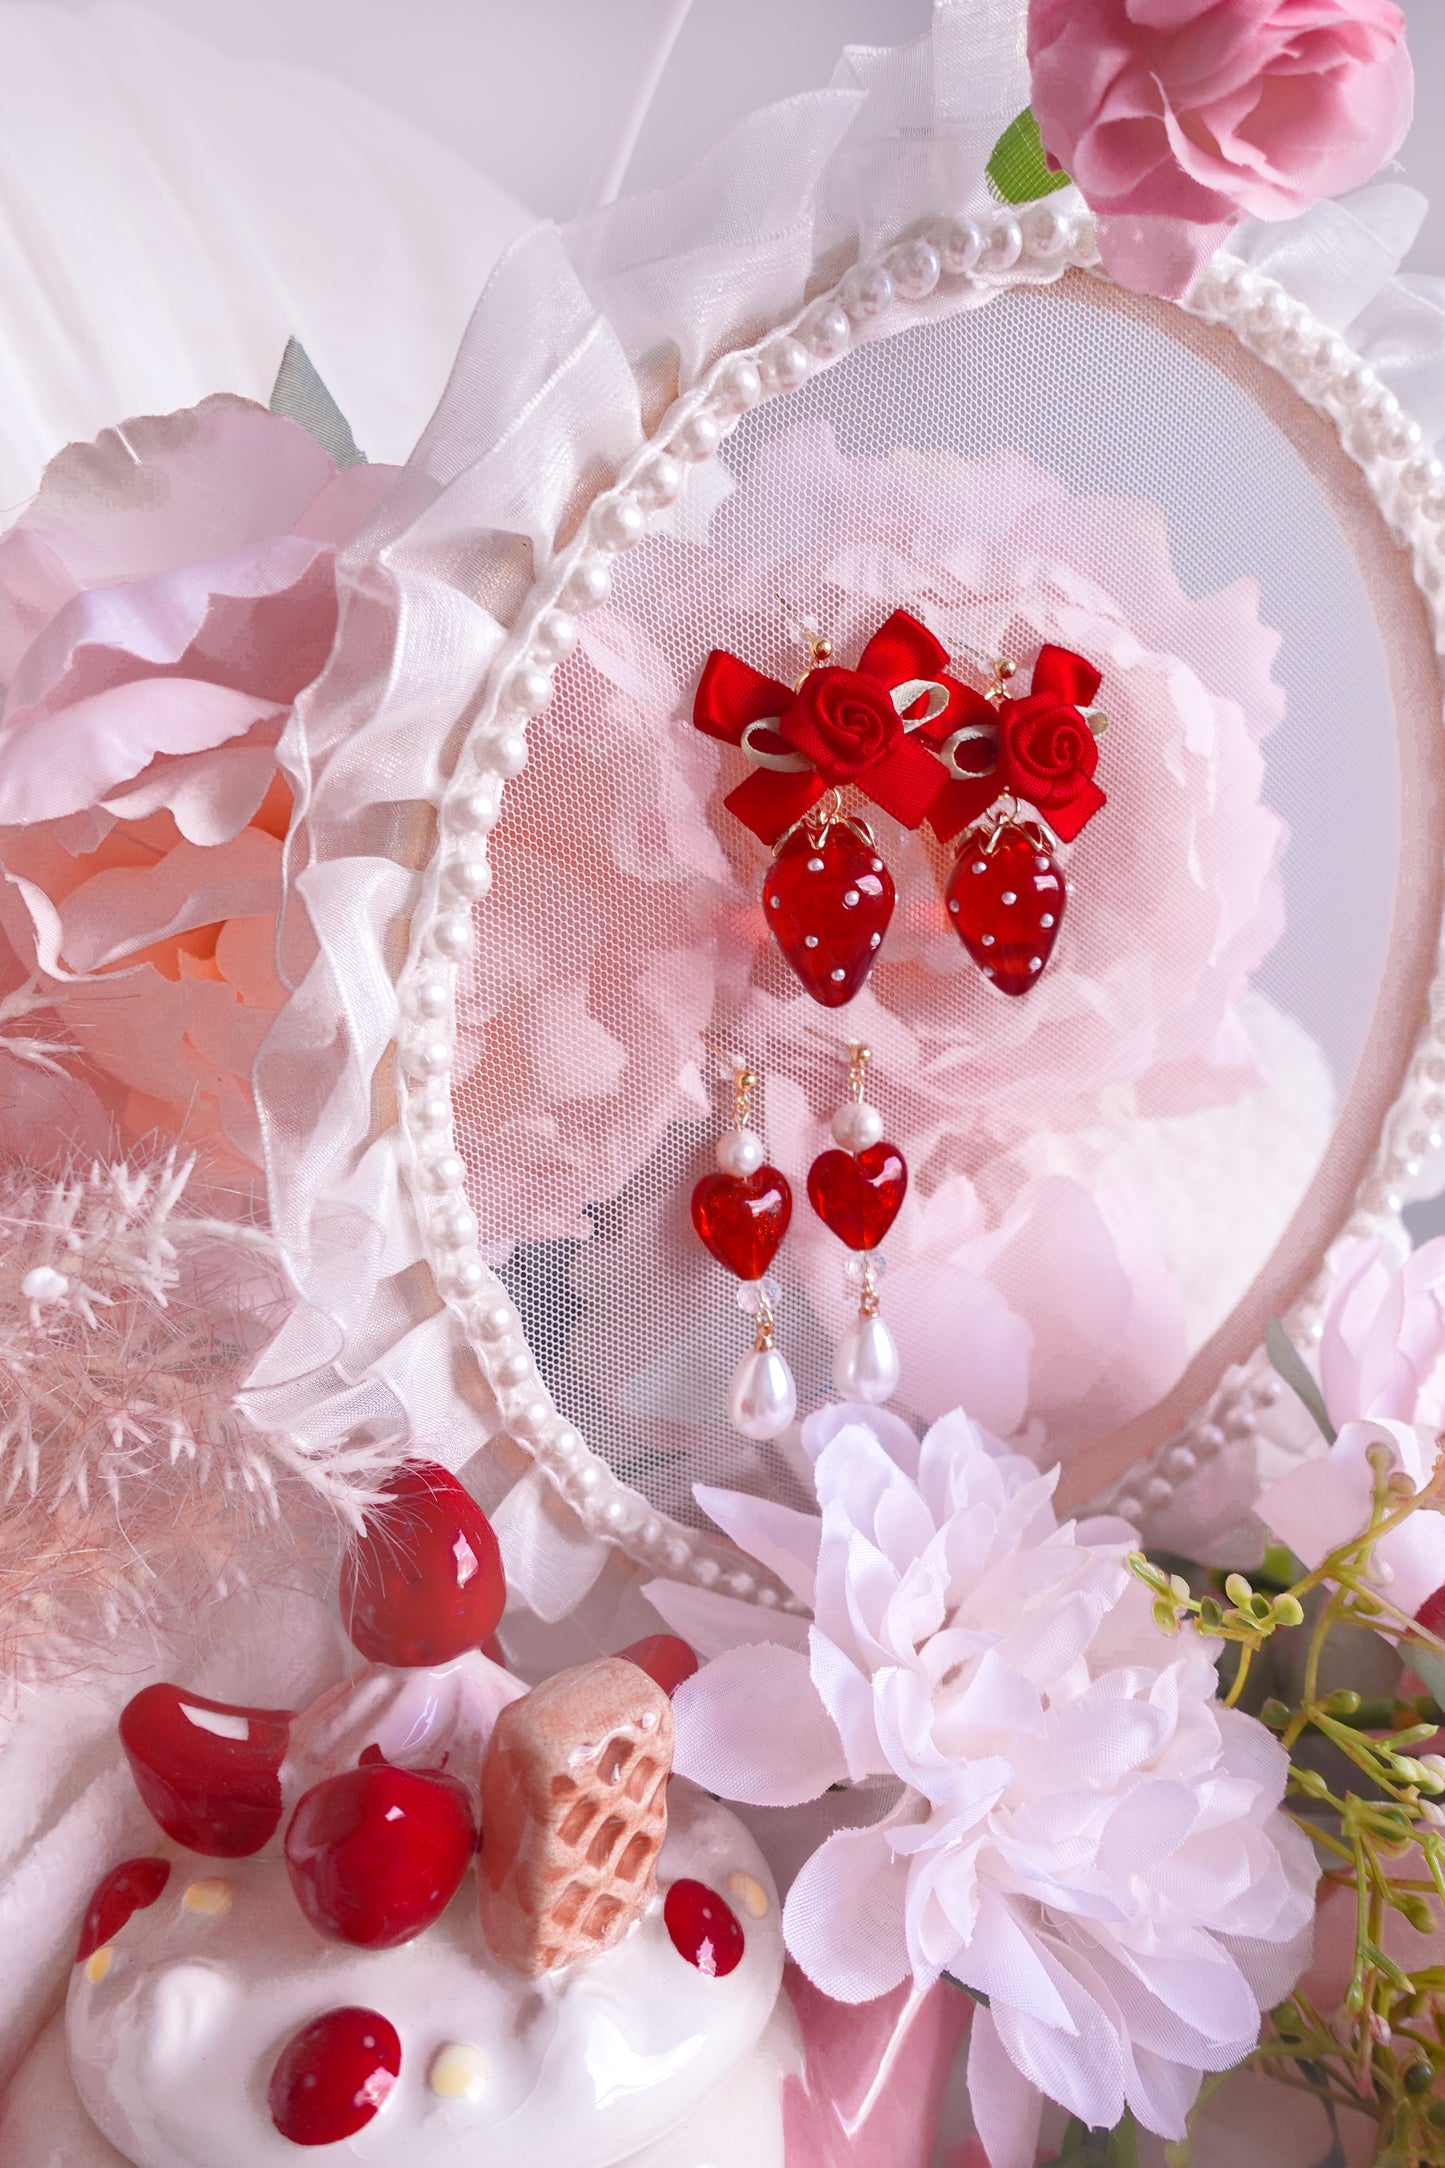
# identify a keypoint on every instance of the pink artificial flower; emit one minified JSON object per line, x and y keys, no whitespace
{"x":1179,"y":118}
{"x":164,"y":598}
{"x":1381,"y":1365}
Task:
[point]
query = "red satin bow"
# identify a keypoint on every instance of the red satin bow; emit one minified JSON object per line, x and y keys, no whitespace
{"x":1045,"y":752}
{"x":842,"y":722}
{"x":844,"y":726}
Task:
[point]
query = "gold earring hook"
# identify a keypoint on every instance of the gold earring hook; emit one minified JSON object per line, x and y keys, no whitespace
{"x":745,"y":1080}
{"x":854,"y":1052}
{"x":818,"y":644}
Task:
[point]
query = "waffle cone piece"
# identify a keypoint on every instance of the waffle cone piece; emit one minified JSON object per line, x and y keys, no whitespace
{"x":574,"y":1812}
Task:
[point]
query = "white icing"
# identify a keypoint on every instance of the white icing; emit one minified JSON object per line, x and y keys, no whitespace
{"x":172,"y":2051}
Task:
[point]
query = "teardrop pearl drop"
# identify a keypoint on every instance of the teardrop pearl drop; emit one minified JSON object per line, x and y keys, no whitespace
{"x":762,"y":1399}
{"x":865,"y":1364}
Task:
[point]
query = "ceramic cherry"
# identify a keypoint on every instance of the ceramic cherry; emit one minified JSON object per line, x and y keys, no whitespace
{"x":1005,"y":900}
{"x":127,"y":1889}
{"x":665,"y":1658}
{"x":857,"y":1195}
{"x":209,"y":1773}
{"x":423,"y":1581}
{"x":333,"y":2075}
{"x":377,"y":1853}
{"x":703,"y":1929}
{"x":827,"y":900}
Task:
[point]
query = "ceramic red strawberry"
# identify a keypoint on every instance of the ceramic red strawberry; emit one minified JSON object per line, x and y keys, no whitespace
{"x":1005,"y":900}
{"x":665,"y":1658}
{"x":129,"y":1888}
{"x":857,"y":1194}
{"x":827,"y":899}
{"x":333,"y":2075}
{"x":377,"y":1853}
{"x":423,"y":1581}
{"x":209,"y":1773}
{"x":743,"y":1218}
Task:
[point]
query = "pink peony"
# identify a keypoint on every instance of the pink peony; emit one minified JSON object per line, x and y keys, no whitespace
{"x":1179,"y":118}
{"x":164,"y":597}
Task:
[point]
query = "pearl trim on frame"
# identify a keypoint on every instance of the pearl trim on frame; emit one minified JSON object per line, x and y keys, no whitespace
{"x":931,"y":274}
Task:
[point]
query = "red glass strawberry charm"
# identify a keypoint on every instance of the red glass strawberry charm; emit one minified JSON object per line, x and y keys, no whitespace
{"x":333,"y":2075}
{"x":703,"y":1929}
{"x":209,"y":1773}
{"x":129,"y":1888}
{"x":827,"y":899}
{"x":1005,"y":900}
{"x":423,"y":1581}
{"x":857,"y":1194}
{"x":377,"y":1853}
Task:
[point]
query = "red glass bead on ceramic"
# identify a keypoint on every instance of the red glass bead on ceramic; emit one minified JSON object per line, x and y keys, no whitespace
{"x":209,"y":1773}
{"x":377,"y":1853}
{"x":129,"y":1888}
{"x":857,"y":1195}
{"x":423,"y":1582}
{"x":1005,"y":900}
{"x":333,"y":2075}
{"x":704,"y":1930}
{"x":743,"y":1218}
{"x":665,"y":1658}
{"x":827,"y":899}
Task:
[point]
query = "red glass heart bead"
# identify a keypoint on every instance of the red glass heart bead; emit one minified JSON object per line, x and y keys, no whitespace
{"x":857,"y":1195}
{"x":743,"y":1218}
{"x":126,"y":1889}
{"x":209,"y":1773}
{"x":703,"y":1929}
{"x":665,"y":1658}
{"x":1005,"y":900}
{"x":423,"y":1581}
{"x":377,"y":1853}
{"x":333,"y":2075}
{"x":827,"y":900}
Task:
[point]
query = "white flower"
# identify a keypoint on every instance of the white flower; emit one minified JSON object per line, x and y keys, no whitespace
{"x":1075,"y":1828}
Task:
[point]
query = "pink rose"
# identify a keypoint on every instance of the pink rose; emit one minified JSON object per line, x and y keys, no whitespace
{"x":1179,"y":118}
{"x":164,"y":598}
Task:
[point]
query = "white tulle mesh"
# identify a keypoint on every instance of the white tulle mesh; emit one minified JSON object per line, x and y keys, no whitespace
{"x":1045,"y":468}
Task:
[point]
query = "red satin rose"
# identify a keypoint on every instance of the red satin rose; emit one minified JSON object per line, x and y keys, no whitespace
{"x":1047,"y":755}
{"x":842,"y":722}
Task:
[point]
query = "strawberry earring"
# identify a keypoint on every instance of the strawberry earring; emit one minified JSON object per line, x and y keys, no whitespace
{"x":741,"y":1215}
{"x":856,"y":1191}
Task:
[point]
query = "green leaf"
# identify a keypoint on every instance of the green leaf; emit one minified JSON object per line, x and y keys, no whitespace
{"x":300,"y":395}
{"x":1085,"y":2148}
{"x":1291,"y":1366}
{"x":1018,"y":171}
{"x":1430,"y":1665}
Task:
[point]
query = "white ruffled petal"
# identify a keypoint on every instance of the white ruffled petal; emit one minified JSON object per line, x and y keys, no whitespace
{"x":750,"y":1726}
{"x":1006,"y":2107}
{"x":843,"y":1921}
{"x":780,"y":1539}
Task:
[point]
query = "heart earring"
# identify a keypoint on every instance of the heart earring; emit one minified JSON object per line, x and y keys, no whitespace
{"x":856,"y":1191}
{"x":741,"y":1214}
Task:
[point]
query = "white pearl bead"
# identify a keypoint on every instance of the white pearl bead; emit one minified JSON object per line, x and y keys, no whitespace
{"x":961,"y":247}
{"x":1421,"y":476}
{"x":738,"y":386}
{"x":508,"y":753}
{"x":1005,"y":245}
{"x":589,"y":584}
{"x":658,"y":481}
{"x":554,"y":637}
{"x":496,"y":1321}
{"x":566,"y":1446}
{"x":585,"y":1479}
{"x":528,"y":690}
{"x":785,"y":364}
{"x":428,"y":1057}
{"x":762,"y":1398}
{"x":617,"y":522}
{"x":1158,"y":1490}
{"x":696,"y":438}
{"x":453,"y":1227}
{"x":513,"y":1369}
{"x":469,"y":877}
{"x":451,"y":937}
{"x":431,"y":1109}
{"x":865,"y":1363}
{"x":740,"y":1152}
{"x":462,"y":1277}
{"x":1047,"y":234}
{"x":914,"y":269}
{"x":866,"y":291}
{"x":474,"y":811}
{"x":825,"y":331}
{"x":430,"y":997}
{"x":444,"y":1172}
{"x":856,"y":1127}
